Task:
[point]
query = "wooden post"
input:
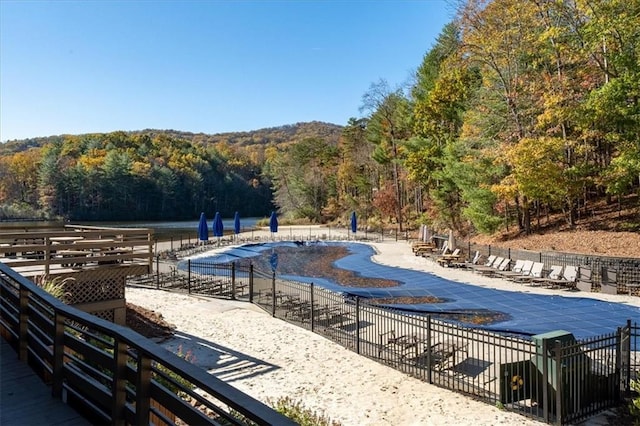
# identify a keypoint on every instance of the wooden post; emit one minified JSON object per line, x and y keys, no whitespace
{"x":23,"y":325}
{"x":58,"y":355}
{"x":143,"y":390}
{"x":118,"y":384}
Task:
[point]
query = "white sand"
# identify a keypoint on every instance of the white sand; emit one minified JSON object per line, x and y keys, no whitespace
{"x":268,"y":358}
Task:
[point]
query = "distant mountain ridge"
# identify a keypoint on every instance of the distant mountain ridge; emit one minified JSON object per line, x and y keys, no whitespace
{"x":276,"y":135}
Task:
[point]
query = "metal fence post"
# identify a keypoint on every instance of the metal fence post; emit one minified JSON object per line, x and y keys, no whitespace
{"x":273,"y":294}
{"x":158,"y":272}
{"x":312,"y":308}
{"x":251,"y":283}
{"x":358,"y":325}
{"x":627,"y":349}
{"x":429,"y":375}
{"x":545,"y":378}
{"x":557,"y":348}
{"x":189,"y":276}
{"x":233,"y":280}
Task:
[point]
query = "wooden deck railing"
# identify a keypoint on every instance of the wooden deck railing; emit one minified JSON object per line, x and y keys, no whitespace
{"x":75,"y":247}
{"x":110,"y":373}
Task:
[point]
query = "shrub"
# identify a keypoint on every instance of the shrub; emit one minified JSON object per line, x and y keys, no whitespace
{"x":55,"y":287}
{"x":634,"y":405}
{"x":301,"y":415}
{"x":174,"y":382}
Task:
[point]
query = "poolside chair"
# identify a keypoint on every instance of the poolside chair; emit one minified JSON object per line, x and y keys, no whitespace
{"x":609,"y":283}
{"x":535,"y":272}
{"x":473,"y":262}
{"x":502,"y":267}
{"x":437,"y":251}
{"x":501,"y":263}
{"x":447,"y":259}
{"x":584,"y":281}
{"x":568,"y":279}
{"x":516,"y":270}
{"x":555,"y":274}
{"x":524,"y":270}
{"x":485,"y":265}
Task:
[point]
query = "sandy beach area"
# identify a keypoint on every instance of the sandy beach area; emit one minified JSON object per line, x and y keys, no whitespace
{"x":268,"y":358}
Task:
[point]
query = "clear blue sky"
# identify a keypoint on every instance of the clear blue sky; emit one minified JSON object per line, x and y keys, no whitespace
{"x":71,"y":67}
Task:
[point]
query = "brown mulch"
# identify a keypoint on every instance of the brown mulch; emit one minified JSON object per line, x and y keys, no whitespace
{"x":597,"y":243}
{"x":148,"y":323}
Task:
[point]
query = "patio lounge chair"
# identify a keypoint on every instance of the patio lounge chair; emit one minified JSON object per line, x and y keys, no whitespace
{"x":501,"y":265}
{"x":555,"y":274}
{"x":489,"y":267}
{"x":472,"y":263}
{"x":535,"y":272}
{"x":584,"y":281}
{"x":519,"y":268}
{"x":438,"y":251}
{"x":568,"y":280}
{"x":609,"y":281}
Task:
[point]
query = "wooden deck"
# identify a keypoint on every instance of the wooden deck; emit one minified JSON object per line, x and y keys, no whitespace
{"x":27,"y":400}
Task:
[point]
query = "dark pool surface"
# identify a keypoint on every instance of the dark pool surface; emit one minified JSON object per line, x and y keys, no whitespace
{"x":524,"y":313}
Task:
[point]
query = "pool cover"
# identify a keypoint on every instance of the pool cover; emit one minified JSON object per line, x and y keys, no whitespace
{"x":525,"y":313}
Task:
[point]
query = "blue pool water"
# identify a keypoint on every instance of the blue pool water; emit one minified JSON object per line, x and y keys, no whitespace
{"x":526,"y":314}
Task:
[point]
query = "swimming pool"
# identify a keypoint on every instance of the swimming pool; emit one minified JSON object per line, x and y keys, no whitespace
{"x":524,"y":313}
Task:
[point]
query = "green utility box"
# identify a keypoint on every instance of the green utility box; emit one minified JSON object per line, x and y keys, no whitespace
{"x":572,"y":371}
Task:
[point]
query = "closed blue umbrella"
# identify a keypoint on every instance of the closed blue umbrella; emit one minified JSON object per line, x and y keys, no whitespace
{"x":354,"y":223}
{"x":203,"y":229}
{"x":218,"y":227}
{"x":273,"y":222}
{"x":236,"y":223}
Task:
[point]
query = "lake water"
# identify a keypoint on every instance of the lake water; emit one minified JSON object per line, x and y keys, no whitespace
{"x":163,"y":231}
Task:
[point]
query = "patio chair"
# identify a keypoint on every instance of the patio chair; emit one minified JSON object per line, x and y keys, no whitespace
{"x":519,"y":268}
{"x":502,"y":267}
{"x":555,"y":274}
{"x":584,"y":281}
{"x":470,"y":264}
{"x":447,"y":259}
{"x":536,"y":272}
{"x":434,"y":251}
{"x":568,"y":279}
{"x":501,"y":264}
{"x":609,"y":281}
{"x":488,"y":264}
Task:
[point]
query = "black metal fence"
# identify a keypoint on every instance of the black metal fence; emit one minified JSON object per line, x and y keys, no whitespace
{"x":111,"y":374}
{"x":625,"y":270}
{"x":552,"y":377}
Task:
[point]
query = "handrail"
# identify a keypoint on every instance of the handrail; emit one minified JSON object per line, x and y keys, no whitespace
{"x":49,"y":251}
{"x":111,"y":371}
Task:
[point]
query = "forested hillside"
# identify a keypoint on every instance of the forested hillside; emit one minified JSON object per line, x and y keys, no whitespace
{"x":522,"y":110}
{"x":144,"y":175}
